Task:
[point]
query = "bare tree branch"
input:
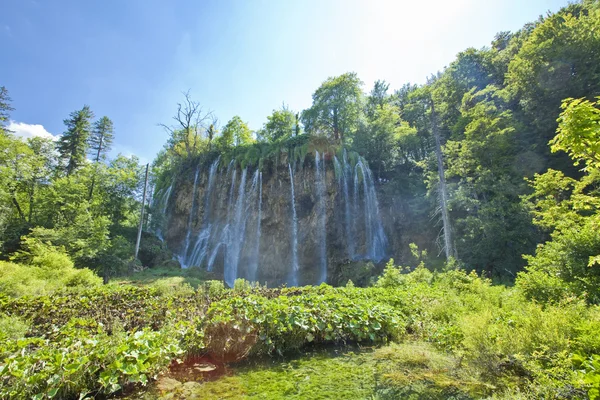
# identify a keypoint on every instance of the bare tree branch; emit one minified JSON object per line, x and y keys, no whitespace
{"x":190,"y":121}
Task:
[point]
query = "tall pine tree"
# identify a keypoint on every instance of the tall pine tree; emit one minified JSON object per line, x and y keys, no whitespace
{"x":100,"y":142}
{"x":101,"y":139}
{"x":73,"y":144}
{"x":5,"y":108}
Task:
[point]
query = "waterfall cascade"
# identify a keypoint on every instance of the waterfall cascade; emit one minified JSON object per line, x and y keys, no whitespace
{"x":295,"y":267}
{"x":321,"y":214}
{"x":183,"y":258}
{"x":244,"y":234}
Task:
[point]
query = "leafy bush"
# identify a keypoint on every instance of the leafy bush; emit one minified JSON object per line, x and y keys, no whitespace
{"x":81,"y":363}
{"x":239,"y":326}
{"x":542,"y":286}
{"x":392,"y":276}
{"x":21,"y":280}
{"x":12,"y":328}
{"x":589,"y":370}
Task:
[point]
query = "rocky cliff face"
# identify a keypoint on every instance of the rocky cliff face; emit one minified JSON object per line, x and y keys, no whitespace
{"x":245,"y":223}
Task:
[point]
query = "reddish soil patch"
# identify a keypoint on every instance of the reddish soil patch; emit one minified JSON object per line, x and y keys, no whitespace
{"x":198,"y":368}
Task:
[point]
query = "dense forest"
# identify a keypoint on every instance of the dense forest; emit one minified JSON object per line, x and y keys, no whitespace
{"x":492,"y":169}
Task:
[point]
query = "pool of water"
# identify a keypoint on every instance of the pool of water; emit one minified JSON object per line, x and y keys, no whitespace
{"x":412,"y":371}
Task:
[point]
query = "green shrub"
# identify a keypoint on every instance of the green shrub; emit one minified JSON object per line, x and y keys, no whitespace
{"x":20,"y":280}
{"x":12,"y":328}
{"x":82,"y":364}
{"x":214,"y":289}
{"x":238,"y":326}
{"x":589,"y":371}
{"x":392,"y":276}
{"x":541,"y":286}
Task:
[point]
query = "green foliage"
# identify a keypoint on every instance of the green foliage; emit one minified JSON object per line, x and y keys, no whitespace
{"x":238,"y":326}
{"x":235,"y":133}
{"x":12,"y":328}
{"x":569,"y":209}
{"x":542,"y":286}
{"x":280,"y":124}
{"x":5,"y":108}
{"x":81,"y":363}
{"x":590,"y":373}
{"x":381,"y":137}
{"x":553,"y":65}
{"x":392,"y":276}
{"x":579,"y":131}
{"x":48,"y":269}
{"x":118,"y":335}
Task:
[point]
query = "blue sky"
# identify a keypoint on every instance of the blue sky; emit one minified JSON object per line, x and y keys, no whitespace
{"x":131,"y":59}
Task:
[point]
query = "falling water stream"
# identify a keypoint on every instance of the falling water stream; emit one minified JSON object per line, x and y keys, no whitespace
{"x":295,"y":268}
{"x":188,"y":235}
{"x":321,"y":215}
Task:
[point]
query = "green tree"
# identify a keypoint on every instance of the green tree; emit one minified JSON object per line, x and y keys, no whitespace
{"x":101,"y":138}
{"x":15,"y":173}
{"x":579,"y":132}
{"x":42,"y":166}
{"x":379,"y":138}
{"x":100,"y":142}
{"x":5,"y":108}
{"x":336,"y":107}
{"x":555,"y":62}
{"x":72,"y":146}
{"x":280,"y":124}
{"x":235,"y":133}
{"x":211,"y":133}
{"x":377,"y":98}
{"x":492,"y":229}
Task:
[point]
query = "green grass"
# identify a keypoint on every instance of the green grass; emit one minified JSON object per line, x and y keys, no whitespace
{"x":164,"y":277}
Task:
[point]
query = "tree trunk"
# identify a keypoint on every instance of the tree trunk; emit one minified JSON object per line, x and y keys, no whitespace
{"x":336,"y":131}
{"x":96,"y":170}
{"x":31,"y":195}
{"x":18,"y":207}
{"x":443,"y":192}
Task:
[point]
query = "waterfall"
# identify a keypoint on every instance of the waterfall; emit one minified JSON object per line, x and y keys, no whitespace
{"x":225,"y":230}
{"x":379,"y":239}
{"x":321,"y":214}
{"x":183,"y":257}
{"x":253,"y":266}
{"x":165,"y":199}
{"x":162,"y":201}
{"x":294,"y":274}
{"x":346,"y":175}
{"x":355,"y":208}
{"x":375,"y":239}
{"x":237,"y":230}
{"x":200,"y":250}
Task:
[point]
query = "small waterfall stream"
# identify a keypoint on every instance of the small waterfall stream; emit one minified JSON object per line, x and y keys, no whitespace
{"x":183,"y":257}
{"x":321,"y":214}
{"x":201,"y":247}
{"x":236,"y":234}
{"x":253,"y":266}
{"x":294,"y":273}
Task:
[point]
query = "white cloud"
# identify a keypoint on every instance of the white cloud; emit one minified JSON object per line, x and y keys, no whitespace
{"x":29,"y":130}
